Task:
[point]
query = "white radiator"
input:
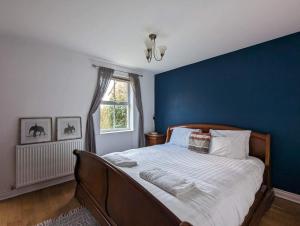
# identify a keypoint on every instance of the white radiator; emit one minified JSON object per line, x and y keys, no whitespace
{"x":45,"y":161}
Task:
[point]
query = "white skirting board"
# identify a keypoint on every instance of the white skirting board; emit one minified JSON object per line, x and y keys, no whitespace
{"x":35,"y":187}
{"x":287,"y":195}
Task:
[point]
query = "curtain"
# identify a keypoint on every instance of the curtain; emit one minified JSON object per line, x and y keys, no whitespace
{"x":104,"y":77}
{"x":135,"y":84}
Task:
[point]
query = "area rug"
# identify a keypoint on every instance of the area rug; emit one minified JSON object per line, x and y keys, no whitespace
{"x":76,"y":217}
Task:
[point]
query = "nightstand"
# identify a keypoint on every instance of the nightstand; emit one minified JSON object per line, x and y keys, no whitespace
{"x":153,"y":139}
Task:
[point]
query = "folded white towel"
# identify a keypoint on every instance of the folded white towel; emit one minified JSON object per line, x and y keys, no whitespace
{"x":119,"y":160}
{"x":168,"y":182}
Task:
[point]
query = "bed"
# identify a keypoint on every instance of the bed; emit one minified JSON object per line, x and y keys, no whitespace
{"x":117,"y":196}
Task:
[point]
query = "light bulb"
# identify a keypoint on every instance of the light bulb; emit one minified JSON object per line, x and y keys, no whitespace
{"x":162,"y":49}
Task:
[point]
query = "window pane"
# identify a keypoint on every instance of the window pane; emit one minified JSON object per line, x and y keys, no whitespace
{"x":114,"y":110}
{"x":106,"y":116}
{"x":109,"y":94}
{"x":121,"y":116}
{"x":121,"y":91}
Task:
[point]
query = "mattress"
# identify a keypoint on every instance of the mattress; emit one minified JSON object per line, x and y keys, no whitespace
{"x":225,"y":187}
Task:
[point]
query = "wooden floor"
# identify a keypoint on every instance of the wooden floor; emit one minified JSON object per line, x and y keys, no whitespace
{"x":35,"y":207}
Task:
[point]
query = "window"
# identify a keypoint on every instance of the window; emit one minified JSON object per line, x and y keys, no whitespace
{"x":115,"y":108}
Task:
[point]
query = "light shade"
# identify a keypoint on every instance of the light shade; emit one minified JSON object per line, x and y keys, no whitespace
{"x":149,"y":44}
{"x":162,"y":49}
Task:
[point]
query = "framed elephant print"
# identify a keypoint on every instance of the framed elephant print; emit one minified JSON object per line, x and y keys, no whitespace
{"x":68,"y":128}
{"x":35,"y":130}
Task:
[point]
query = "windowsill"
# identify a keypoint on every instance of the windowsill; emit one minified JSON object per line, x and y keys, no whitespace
{"x":117,"y":131}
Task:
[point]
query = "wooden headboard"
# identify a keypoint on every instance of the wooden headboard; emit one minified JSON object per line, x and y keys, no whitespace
{"x":259,"y":144}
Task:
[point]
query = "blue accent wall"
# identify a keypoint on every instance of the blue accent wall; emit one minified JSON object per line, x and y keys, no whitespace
{"x":256,"y":88}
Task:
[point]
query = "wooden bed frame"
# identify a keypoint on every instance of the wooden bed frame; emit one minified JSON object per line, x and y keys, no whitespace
{"x":114,"y":198}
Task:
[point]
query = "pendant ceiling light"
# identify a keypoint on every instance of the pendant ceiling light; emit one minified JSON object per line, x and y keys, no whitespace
{"x":152,"y":51}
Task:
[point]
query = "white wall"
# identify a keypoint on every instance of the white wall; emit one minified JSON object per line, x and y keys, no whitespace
{"x":38,"y":79}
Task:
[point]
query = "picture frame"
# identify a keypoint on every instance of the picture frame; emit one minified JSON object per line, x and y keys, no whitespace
{"x":35,"y":130}
{"x":68,"y":128}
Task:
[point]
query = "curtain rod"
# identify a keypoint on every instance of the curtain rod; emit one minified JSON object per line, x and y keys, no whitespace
{"x":96,"y":66}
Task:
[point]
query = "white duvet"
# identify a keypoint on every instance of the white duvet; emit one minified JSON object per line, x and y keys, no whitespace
{"x":226,"y":186}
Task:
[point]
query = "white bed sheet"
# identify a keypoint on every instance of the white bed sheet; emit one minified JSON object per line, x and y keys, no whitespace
{"x":226,"y":186}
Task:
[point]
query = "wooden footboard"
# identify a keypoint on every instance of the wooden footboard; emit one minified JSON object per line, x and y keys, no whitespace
{"x":114,"y":198}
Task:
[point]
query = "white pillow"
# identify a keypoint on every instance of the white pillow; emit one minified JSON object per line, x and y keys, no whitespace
{"x":243,"y":135}
{"x":219,"y":146}
{"x":230,"y":147}
{"x":180,"y":136}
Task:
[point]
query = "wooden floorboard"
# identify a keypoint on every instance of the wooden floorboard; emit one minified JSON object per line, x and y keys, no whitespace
{"x":282,"y":213}
{"x":35,"y":207}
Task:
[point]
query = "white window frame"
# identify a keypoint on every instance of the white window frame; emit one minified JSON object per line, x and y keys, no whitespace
{"x":129,"y":105}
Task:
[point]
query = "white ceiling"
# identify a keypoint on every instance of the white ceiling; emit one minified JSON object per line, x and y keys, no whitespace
{"x":193,"y":30}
